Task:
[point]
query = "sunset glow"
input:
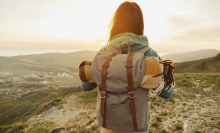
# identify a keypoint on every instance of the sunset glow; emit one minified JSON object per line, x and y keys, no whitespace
{"x":167,"y":23}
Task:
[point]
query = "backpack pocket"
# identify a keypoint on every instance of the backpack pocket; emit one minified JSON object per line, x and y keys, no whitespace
{"x":119,"y":114}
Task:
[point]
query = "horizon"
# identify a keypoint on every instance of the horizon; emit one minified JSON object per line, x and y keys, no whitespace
{"x":66,"y":51}
{"x":62,"y":26}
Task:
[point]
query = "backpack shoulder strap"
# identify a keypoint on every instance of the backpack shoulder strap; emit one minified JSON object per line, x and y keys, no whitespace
{"x":110,"y":48}
{"x":142,"y":50}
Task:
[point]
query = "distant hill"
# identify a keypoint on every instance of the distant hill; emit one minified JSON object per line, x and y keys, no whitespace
{"x":68,"y":61}
{"x":59,"y":58}
{"x":193,"y":55}
{"x":208,"y":65}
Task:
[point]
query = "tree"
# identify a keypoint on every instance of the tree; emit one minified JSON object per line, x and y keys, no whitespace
{"x":218,"y":56}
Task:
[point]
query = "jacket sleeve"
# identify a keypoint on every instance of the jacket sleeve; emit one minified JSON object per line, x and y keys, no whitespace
{"x":166,"y":94}
{"x":88,"y":86}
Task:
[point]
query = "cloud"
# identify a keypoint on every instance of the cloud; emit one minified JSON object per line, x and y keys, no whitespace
{"x":189,"y":29}
{"x":198,"y":27}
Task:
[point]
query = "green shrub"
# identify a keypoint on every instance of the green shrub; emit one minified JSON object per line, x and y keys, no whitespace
{"x":178,"y":127}
{"x":94,"y":127}
{"x":164,"y":131}
{"x":153,"y":98}
{"x":159,"y":119}
{"x":171,"y":99}
{"x":151,"y":106}
{"x":155,"y":124}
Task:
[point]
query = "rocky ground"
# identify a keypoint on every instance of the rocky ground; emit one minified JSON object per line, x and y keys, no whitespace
{"x":193,"y":108}
{"x":69,"y":114}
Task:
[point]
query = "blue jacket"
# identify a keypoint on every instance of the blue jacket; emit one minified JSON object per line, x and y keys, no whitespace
{"x":135,"y":42}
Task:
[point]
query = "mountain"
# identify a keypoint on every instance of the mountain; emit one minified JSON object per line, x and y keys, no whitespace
{"x":193,"y":55}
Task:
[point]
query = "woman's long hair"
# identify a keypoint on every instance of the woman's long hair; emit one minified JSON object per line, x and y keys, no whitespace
{"x":127,"y":18}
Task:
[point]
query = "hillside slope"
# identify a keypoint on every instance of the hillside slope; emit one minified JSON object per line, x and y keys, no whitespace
{"x":15,"y":110}
{"x":191,"y":56}
{"x":209,"y":65}
{"x":193,"y":107}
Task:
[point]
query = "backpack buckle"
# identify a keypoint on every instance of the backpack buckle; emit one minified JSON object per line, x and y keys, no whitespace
{"x":131,"y":94}
{"x":102,"y":94}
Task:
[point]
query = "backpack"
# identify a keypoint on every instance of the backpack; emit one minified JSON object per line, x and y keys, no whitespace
{"x":122,"y":105}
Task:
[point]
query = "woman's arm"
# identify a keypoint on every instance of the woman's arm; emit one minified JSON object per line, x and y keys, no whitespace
{"x":167,"y":94}
{"x":88,"y":86}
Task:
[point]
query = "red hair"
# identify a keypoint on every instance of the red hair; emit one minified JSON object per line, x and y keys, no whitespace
{"x":127,"y":18}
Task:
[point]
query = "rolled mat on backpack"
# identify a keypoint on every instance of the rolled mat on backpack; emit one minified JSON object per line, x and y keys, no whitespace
{"x":152,"y":76}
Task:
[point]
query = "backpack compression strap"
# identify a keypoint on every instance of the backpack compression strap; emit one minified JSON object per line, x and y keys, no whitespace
{"x":131,"y":90}
{"x":103,"y":88}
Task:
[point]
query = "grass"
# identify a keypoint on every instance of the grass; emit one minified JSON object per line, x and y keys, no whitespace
{"x":212,"y":66}
{"x":194,"y":84}
{"x":89,"y":96}
{"x":163,"y":114}
{"x":13,"y":128}
{"x":203,"y":80}
{"x":41,"y":130}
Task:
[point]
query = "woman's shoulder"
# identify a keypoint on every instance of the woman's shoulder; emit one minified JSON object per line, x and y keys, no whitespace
{"x":150,"y":53}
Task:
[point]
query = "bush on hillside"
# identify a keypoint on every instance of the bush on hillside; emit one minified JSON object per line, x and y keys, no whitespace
{"x":218,"y":56}
{"x":201,"y":66}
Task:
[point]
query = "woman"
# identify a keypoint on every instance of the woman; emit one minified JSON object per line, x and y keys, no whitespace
{"x":127,"y":25}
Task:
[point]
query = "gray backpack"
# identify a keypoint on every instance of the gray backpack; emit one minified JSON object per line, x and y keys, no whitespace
{"x":121,"y":104}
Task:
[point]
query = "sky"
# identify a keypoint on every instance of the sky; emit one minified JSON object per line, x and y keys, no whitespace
{"x":40,"y":26}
